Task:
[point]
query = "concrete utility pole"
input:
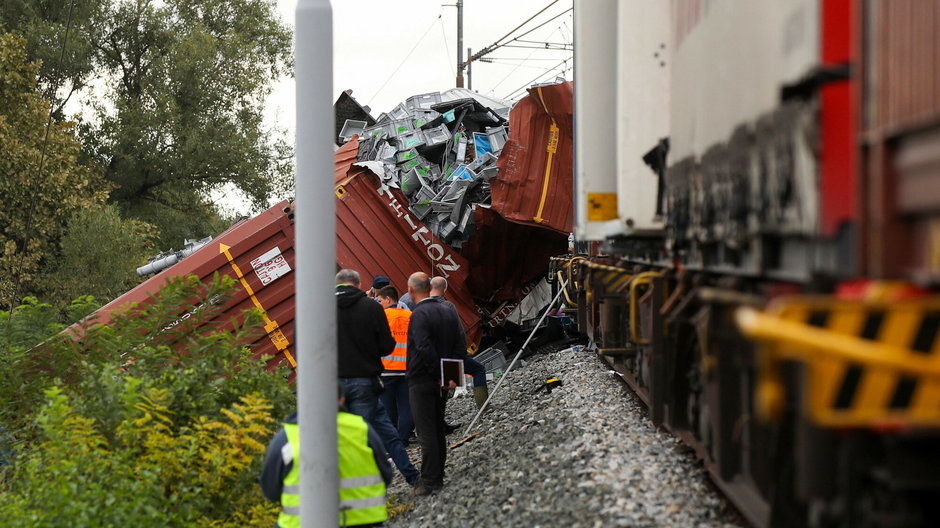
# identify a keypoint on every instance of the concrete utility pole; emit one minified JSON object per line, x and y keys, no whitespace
{"x":460,"y":44}
{"x":315,"y":246}
{"x":469,"y":69}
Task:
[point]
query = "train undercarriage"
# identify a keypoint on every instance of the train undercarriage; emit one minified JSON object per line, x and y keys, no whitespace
{"x":673,"y":338}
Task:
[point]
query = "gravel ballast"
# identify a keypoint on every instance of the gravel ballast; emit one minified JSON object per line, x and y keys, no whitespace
{"x":584,"y":455}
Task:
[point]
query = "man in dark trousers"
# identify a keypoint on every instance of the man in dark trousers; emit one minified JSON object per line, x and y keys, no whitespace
{"x":363,"y":337}
{"x":433,"y":333}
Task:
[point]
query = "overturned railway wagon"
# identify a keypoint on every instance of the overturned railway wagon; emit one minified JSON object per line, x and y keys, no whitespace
{"x":383,"y":229}
{"x":758,"y":242}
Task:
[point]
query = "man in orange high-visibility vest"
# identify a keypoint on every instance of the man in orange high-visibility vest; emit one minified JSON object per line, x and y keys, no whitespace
{"x":395,"y":397}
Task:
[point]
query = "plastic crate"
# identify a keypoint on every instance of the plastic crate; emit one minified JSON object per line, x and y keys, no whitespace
{"x":423,"y":101}
{"x":493,"y":359}
{"x":437,"y":135}
{"x":399,"y":127}
{"x":352,"y":128}
{"x":423,"y":117}
{"x":399,"y":112}
{"x":498,"y":137}
{"x":405,"y":155}
{"x":421,"y":203}
{"x":410,"y":140}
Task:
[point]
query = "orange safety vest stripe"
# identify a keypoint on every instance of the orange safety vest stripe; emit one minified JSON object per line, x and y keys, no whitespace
{"x":398,"y":320}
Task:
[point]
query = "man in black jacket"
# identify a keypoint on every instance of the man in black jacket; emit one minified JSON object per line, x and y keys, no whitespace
{"x":363,"y":337}
{"x":433,"y":333}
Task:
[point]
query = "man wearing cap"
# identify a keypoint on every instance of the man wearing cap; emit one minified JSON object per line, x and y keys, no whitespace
{"x":378,"y":282}
{"x":395,"y":397}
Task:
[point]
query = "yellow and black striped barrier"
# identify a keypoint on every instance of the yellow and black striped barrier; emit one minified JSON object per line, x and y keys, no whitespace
{"x":869,"y":363}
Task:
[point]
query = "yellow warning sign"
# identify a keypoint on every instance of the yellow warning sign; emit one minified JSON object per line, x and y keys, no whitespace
{"x":601,"y":207}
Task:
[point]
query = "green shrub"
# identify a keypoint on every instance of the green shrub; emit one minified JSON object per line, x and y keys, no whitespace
{"x":146,"y":421}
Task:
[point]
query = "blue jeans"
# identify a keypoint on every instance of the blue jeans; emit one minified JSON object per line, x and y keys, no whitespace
{"x":361,"y":399}
{"x":395,"y":401}
{"x":475,"y":369}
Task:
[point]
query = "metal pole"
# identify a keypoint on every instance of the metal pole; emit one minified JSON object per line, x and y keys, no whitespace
{"x":315,"y":246}
{"x":469,"y":69}
{"x":459,"y":43}
{"x":519,"y":353}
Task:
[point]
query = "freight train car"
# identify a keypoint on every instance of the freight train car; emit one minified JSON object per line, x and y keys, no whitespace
{"x":757,"y":208}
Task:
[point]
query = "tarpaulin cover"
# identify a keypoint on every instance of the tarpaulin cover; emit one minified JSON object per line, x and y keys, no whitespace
{"x":376,"y":234}
{"x":534,"y":186}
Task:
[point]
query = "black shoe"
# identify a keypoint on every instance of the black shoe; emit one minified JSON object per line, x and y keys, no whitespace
{"x":450,"y":428}
{"x":423,"y":490}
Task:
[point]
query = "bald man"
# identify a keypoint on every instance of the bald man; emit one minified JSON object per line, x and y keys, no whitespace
{"x":434,"y":332}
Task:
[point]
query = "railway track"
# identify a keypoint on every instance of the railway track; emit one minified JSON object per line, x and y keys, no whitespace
{"x":583,"y":455}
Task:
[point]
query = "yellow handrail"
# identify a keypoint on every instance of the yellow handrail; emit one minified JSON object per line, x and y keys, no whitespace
{"x":551,"y":147}
{"x":641,"y":279}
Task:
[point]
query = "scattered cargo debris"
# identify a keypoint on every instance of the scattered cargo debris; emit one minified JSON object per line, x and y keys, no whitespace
{"x":441,"y":151}
{"x":446,"y":153}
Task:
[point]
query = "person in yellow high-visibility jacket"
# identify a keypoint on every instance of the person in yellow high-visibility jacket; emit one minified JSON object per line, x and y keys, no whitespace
{"x":365,"y":470}
{"x":395,"y":397}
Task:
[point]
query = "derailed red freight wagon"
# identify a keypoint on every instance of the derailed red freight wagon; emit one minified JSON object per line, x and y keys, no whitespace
{"x":376,"y":234}
{"x":259,"y":254}
{"x":531,"y":214}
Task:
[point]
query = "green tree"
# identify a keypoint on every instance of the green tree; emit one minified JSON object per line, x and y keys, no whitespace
{"x":43,"y":181}
{"x":179,"y":108}
{"x":99,"y":254}
{"x":65,"y":65}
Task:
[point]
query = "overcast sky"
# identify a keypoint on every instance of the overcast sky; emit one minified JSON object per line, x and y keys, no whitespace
{"x":371,"y":38}
{"x":374,"y":38}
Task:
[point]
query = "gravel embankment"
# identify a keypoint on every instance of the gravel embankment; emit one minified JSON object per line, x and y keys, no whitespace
{"x":585,"y":455}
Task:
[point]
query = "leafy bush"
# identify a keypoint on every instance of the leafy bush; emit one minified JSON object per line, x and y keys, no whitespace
{"x":146,"y":421}
{"x":103,"y":250}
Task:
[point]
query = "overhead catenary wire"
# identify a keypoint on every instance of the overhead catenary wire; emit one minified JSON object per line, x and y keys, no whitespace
{"x":403,"y":61}
{"x":523,"y":65}
{"x":561,"y":29}
{"x":504,"y":79}
{"x":546,"y":46}
{"x":446,"y":46}
{"x":539,"y":77}
{"x":498,"y":44}
{"x":17,"y":278}
{"x":500,"y":39}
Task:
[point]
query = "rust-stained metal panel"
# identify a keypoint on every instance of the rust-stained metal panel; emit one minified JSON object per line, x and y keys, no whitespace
{"x":376,"y":234}
{"x":901,"y":88}
{"x":534,"y":184}
{"x":907,"y":57}
{"x":259,"y":253}
{"x":505,"y":256}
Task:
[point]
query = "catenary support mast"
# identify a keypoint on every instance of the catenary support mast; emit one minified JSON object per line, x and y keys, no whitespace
{"x":316,"y":265}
